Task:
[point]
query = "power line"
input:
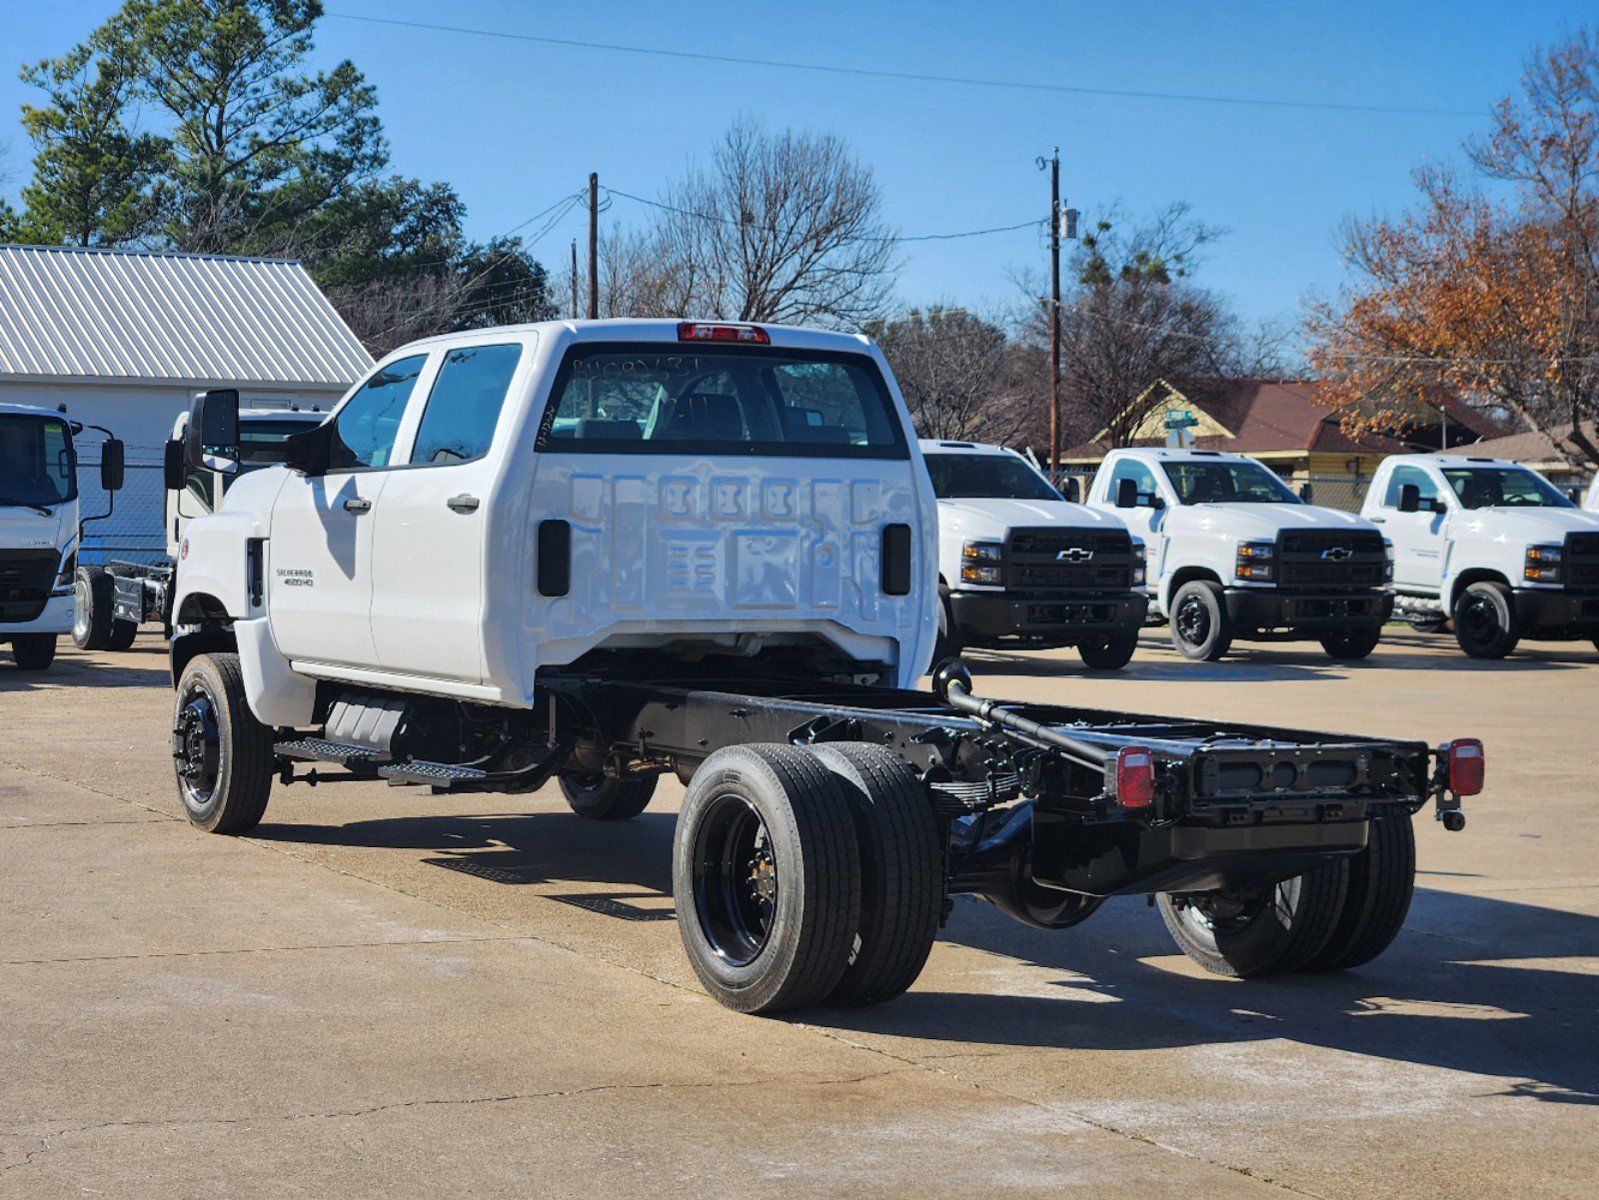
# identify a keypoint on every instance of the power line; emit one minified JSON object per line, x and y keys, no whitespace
{"x":885,"y":239}
{"x":915,"y":76}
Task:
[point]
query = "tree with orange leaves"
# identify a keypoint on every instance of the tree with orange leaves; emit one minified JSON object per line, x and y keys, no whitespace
{"x":1489,"y":291}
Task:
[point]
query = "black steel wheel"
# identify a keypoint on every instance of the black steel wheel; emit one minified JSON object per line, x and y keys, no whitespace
{"x":1109,"y":653}
{"x":598,"y":797}
{"x":221,"y":755}
{"x":33,"y":651}
{"x":902,"y":871}
{"x":766,"y":877}
{"x":1200,"y":627}
{"x":1485,"y":620}
{"x":1353,"y":644}
{"x":1259,"y":929}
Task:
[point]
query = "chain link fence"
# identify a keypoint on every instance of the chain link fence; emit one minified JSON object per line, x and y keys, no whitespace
{"x":1347,"y":492}
{"x":133,"y":532}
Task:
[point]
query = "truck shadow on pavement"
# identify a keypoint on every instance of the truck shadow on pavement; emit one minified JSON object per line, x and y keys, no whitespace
{"x":1474,"y":984}
{"x":82,"y":670}
{"x":1494,"y":999}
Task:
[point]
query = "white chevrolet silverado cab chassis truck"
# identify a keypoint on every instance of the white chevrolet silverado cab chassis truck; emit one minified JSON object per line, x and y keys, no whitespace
{"x":1490,"y":545}
{"x":40,"y":528}
{"x":603,"y":551}
{"x":1020,"y":565}
{"x":1234,"y":553}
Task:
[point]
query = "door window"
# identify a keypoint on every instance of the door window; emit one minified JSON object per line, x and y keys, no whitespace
{"x":365,"y":428}
{"x":464,"y":404}
{"x":1404,"y":475}
{"x":1131,"y":468}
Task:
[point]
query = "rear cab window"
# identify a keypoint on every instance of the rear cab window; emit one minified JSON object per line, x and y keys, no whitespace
{"x":664,"y":399}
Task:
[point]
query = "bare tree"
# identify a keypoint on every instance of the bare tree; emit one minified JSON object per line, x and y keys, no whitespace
{"x":957,"y":372}
{"x":780,"y":227}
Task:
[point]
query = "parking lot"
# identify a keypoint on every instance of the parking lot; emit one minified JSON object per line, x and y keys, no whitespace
{"x":386,"y":992}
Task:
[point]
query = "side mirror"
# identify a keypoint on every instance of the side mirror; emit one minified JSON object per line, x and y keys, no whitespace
{"x":112,"y":459}
{"x":1070,"y":490}
{"x":172,"y":466}
{"x":1409,"y":498}
{"x":212,"y":443}
{"x":1126,"y":493}
{"x":1307,"y":492}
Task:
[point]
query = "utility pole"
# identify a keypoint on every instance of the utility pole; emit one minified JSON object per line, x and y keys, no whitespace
{"x":594,"y":245}
{"x":574,"y":279}
{"x":1054,"y":311}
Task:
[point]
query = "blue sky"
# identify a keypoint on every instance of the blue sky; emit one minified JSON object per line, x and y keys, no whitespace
{"x":514,"y":126}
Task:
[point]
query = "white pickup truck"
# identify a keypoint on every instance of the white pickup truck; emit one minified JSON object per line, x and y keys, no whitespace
{"x":1020,"y":565}
{"x":40,"y":530}
{"x":1490,"y":545}
{"x":599,"y":552}
{"x":1234,"y":553}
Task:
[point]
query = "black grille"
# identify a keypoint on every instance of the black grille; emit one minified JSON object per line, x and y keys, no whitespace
{"x":1582,"y":562}
{"x":1330,"y":558}
{"x":1059,"y":560}
{"x":25,"y":579}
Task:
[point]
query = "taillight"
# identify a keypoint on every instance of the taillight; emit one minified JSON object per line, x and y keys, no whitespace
{"x":1135,"y":777}
{"x":704,"y":331}
{"x":1465,"y":766}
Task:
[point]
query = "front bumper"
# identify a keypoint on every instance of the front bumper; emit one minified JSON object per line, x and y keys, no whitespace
{"x":1268,"y":608}
{"x":1557,"y":611}
{"x":1049,"y":616}
{"x":56,"y":617}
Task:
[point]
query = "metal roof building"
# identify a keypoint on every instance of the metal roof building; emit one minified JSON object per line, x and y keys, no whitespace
{"x":124,"y":338}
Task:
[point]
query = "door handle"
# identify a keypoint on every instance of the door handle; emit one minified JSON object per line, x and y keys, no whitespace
{"x":463,"y":503}
{"x":357,"y":504}
{"x":1379,"y":520}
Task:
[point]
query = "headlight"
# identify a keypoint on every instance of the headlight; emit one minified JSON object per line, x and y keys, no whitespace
{"x":980,"y":562}
{"x":1543,"y":564}
{"x":69,"y":569}
{"x":1255,"y":561}
{"x":1140,"y":562}
{"x":1387,"y":561}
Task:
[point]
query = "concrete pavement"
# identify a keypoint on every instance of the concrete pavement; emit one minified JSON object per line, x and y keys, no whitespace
{"x":390,"y":993}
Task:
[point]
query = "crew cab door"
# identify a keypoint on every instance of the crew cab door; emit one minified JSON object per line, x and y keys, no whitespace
{"x":1418,"y":537}
{"x":319,"y":558}
{"x":428,"y":531}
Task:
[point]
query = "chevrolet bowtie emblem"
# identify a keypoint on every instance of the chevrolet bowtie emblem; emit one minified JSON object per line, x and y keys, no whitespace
{"x":1076,"y":555}
{"x":1337,"y":553}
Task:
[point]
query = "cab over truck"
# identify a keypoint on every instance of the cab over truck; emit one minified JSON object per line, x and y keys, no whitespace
{"x":40,"y":531}
{"x":1019,"y":565}
{"x":111,"y":602}
{"x":600,"y":552}
{"x":1234,"y":553}
{"x":1490,"y":546}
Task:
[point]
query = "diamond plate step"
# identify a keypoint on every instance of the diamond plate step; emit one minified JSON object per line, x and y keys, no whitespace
{"x":320,"y":750}
{"x":431,"y":772}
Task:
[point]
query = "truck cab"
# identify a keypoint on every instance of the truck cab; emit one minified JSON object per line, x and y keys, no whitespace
{"x":1019,"y":565}
{"x":40,"y":530}
{"x":1491,"y":546}
{"x":1234,"y":553}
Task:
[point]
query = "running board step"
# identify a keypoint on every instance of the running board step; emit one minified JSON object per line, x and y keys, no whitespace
{"x":431,"y":772}
{"x":320,"y":750}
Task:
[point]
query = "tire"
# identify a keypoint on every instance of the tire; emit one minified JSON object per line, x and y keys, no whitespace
{"x":949,"y":643}
{"x":122,"y":635}
{"x":93,"y":590}
{"x":222,"y":755}
{"x":1201,"y":630}
{"x":33,"y":651}
{"x":1279,"y":928}
{"x":601,"y":798}
{"x":766,"y":878}
{"x":1352,"y":644}
{"x":1430,"y":625}
{"x":1109,"y":653}
{"x":902,"y":871}
{"x":1382,"y":879}
{"x":1485,"y":620}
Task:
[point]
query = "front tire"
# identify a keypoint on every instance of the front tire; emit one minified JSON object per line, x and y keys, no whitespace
{"x":766,"y":877}
{"x":1201,"y":630}
{"x":949,"y":643}
{"x":1382,"y":880}
{"x":1250,"y":932}
{"x":1111,"y":652}
{"x":1485,"y":620}
{"x":92,"y":593}
{"x":221,"y":755}
{"x":1351,"y":645}
{"x":902,"y":871}
{"x":601,"y":798}
{"x":33,"y":651}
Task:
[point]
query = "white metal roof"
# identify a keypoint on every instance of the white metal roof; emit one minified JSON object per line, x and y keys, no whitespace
{"x":148,"y":316}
